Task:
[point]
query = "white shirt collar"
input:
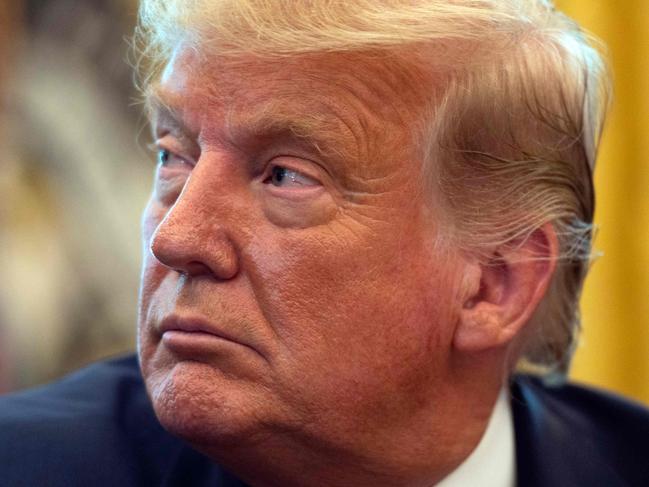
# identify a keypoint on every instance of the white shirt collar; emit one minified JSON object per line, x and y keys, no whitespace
{"x":493,"y":462}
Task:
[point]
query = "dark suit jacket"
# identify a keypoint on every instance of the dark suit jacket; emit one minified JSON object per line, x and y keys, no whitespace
{"x":96,"y":428}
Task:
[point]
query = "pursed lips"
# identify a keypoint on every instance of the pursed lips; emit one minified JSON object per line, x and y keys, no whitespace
{"x":199,"y":327}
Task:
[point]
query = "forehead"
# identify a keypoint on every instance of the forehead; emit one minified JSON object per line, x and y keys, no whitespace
{"x":382,"y":81}
{"x":358,"y":99}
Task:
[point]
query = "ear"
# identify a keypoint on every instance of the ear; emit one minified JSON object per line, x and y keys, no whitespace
{"x":506,"y":291}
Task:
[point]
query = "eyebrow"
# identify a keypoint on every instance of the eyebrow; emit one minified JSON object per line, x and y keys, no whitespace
{"x":160,"y":106}
{"x":275,"y":120}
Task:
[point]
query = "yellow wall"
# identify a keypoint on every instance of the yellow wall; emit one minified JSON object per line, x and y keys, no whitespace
{"x":614,"y":348}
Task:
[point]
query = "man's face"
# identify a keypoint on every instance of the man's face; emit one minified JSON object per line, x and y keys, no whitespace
{"x":293,"y":283}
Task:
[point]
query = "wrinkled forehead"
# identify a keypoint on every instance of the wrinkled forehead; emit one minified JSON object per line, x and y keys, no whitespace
{"x":362,"y":102}
{"x":378,"y":78}
{"x":386,"y":84}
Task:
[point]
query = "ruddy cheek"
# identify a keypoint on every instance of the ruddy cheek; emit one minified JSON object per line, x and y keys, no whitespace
{"x":152,"y":272}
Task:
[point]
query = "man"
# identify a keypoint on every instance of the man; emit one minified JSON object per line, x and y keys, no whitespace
{"x":365,"y":216}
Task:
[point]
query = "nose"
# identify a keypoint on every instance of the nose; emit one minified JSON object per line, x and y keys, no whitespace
{"x":192,"y":239}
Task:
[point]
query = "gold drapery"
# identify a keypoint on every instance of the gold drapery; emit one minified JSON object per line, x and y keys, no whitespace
{"x":614,"y":346}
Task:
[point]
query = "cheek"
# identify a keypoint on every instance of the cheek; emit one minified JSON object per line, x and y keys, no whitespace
{"x":350,"y":290}
{"x":367,"y":329}
{"x":153,"y":214}
{"x":152,"y":272}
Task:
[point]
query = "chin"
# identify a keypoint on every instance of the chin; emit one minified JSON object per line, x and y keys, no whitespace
{"x":202,"y":406}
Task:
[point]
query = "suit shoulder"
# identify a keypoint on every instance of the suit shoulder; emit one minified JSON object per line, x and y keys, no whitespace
{"x":591,"y":433}
{"x":95,"y":426}
{"x":588,"y":408}
{"x":101,"y":390}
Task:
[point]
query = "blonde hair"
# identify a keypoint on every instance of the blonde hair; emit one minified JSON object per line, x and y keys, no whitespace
{"x":511,"y":140}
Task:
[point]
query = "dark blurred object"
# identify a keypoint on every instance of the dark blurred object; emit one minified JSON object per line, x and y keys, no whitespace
{"x":73,"y":183}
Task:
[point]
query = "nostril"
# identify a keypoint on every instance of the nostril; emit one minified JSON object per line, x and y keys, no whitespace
{"x":194,"y":268}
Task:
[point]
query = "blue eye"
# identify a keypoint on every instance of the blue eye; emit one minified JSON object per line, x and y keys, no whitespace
{"x":163,"y":156}
{"x":166,"y":158}
{"x":278,"y":175}
{"x":281,"y":176}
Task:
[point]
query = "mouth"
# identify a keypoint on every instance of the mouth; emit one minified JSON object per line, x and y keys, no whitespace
{"x":192,"y":336}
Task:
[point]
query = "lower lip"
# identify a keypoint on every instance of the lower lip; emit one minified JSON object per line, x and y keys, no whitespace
{"x":193,"y":341}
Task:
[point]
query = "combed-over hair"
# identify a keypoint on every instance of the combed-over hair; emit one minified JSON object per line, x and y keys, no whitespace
{"x":512,"y":139}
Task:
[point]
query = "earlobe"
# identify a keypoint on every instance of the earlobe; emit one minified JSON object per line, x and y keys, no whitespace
{"x":506,"y":291}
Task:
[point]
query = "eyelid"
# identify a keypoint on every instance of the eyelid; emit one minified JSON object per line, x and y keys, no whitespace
{"x":287,"y":162}
{"x":179,"y":145}
{"x":172,"y":147}
{"x":291,"y":180}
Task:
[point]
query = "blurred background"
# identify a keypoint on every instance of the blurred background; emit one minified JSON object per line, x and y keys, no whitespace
{"x":73,"y":180}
